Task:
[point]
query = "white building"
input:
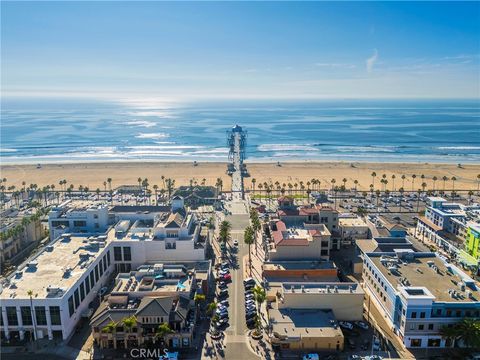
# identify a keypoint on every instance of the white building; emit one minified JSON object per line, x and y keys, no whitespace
{"x":419,"y":293}
{"x":67,"y":275}
{"x":78,"y":217}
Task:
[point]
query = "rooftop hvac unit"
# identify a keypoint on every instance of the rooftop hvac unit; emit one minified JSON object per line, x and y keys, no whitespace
{"x":49,"y":248}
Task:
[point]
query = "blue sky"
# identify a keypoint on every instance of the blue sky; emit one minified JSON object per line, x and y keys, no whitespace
{"x":244,"y":50}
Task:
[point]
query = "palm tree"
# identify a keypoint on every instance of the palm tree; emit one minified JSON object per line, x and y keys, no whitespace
{"x":105,"y":186}
{"x":110,"y":328}
{"x":162,"y":331}
{"x":424,"y":185}
{"x":378,"y":197}
{"x":374,"y":175}
{"x":253,"y":184}
{"x":224,"y":233}
{"x":256,"y":225}
{"x":155,"y":188}
{"x":248,"y":238}
{"x":478,"y":184}
{"x":199,"y":300}
{"x":356,"y":184}
{"x":466,"y":331}
{"x":344,"y":180}
{"x":401,"y":198}
{"x":453,"y":182}
{"x":434,"y":182}
{"x":333,"y":181}
{"x":260,"y":295}
{"x":393,"y":182}
{"x":403,"y":181}
{"x":34,"y":320}
{"x":418,"y":198}
{"x":129,"y":323}
{"x":109,"y":181}
{"x":413,"y":181}
{"x":445,"y":179}
{"x":211,"y":307}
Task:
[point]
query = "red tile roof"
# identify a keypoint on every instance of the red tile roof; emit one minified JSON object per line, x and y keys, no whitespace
{"x":281,"y":241}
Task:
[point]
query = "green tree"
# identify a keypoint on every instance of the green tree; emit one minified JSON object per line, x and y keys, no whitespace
{"x":129,"y":323}
{"x":466,"y":332}
{"x":110,"y":328}
{"x":248,"y":238}
{"x":211,"y":308}
{"x":162,"y":331}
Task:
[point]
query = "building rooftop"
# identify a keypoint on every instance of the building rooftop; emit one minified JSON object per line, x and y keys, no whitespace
{"x":426,"y":270}
{"x":321,"y":288}
{"x":292,"y":324}
{"x":299,"y":265}
{"x":352,"y":222}
{"x":56,"y":268}
{"x":383,"y":244}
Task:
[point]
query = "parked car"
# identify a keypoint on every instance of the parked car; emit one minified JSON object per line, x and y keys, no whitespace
{"x":224,"y":303}
{"x":250,"y":315}
{"x":376,"y":344}
{"x":354,"y":357}
{"x":235,"y":242}
{"x":249,"y":286}
{"x":362,"y":324}
{"x":373,"y":357}
{"x":345,"y":325}
{"x":227,"y":277}
{"x":249,"y":281}
{"x":311,"y":357}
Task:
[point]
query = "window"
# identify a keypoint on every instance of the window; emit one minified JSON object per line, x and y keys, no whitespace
{"x":117,"y":253}
{"x":40,"y":315}
{"x":26,"y":315}
{"x":430,"y":326}
{"x":108,"y":257}
{"x":439,"y":312}
{"x":127,"y":254}
{"x":82,"y":292}
{"x":96,"y":273}
{"x":416,"y":342}
{"x":449,"y":313}
{"x":55,"y":317}
{"x":76,"y":298}
{"x":458,"y":313}
{"x":87,"y":286}
{"x":79,"y":223}
{"x":414,"y":315}
{"x":1,"y":318}
{"x":420,"y":327}
{"x":12,"y":315}
{"x":105,"y":263}
{"x":324,"y":243}
{"x":71,"y":309}
{"x":422,"y":315}
{"x":92,"y":279}
{"x":100,"y":267}
{"x":433,"y":342}
{"x":324,"y":252}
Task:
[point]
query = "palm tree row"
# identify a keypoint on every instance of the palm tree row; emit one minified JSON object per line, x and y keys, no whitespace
{"x":21,"y":228}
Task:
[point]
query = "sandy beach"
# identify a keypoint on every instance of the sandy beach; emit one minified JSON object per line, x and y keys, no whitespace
{"x":93,"y":175}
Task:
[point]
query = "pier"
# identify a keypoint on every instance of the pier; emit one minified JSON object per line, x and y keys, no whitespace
{"x":236,"y":141}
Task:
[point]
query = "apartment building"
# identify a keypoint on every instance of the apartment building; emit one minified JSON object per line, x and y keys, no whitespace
{"x":156,"y":294}
{"x":309,"y":242}
{"x":419,"y":293}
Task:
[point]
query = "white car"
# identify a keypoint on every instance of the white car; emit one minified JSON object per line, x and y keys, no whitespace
{"x":376,"y":344}
{"x":345,"y":325}
{"x":235,"y":242}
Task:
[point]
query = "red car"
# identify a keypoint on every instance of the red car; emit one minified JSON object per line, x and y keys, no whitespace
{"x":227,"y":277}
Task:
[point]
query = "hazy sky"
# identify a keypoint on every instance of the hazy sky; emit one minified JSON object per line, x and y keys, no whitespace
{"x":246,"y":50}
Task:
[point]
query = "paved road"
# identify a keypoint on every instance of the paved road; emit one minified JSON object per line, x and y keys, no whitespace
{"x":236,"y":333}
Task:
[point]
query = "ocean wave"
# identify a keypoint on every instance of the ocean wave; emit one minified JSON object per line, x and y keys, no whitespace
{"x":155,"y":113}
{"x":286,"y":147}
{"x":459,"y":147}
{"x":7,"y":150}
{"x":167,"y":147}
{"x":152,"y":135}
{"x":141,"y":123}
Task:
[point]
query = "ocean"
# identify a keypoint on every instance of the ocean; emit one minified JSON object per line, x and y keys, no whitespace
{"x":79,"y":130}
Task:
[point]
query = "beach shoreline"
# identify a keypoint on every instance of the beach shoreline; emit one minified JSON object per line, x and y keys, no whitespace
{"x":94,"y":174}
